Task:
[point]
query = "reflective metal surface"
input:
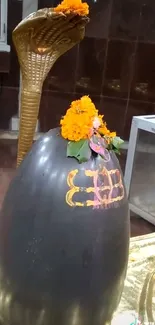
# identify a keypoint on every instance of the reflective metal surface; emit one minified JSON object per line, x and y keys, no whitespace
{"x":63,"y":263}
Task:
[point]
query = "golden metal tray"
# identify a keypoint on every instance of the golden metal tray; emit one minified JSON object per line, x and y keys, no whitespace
{"x":137,"y":304}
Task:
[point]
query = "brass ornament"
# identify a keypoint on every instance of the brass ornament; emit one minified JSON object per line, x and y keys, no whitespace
{"x":40,"y":39}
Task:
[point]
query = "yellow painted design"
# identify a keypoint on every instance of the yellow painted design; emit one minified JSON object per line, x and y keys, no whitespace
{"x":110,"y":181}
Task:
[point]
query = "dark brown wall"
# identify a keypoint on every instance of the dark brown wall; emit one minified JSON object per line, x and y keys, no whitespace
{"x":9,"y":82}
{"x":115,"y":64}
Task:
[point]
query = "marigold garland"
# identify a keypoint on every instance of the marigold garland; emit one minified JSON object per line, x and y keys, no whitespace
{"x":73,"y":6}
{"x":78,"y":123}
{"x":86,"y":131}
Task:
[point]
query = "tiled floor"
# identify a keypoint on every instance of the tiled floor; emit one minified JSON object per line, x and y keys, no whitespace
{"x":8,"y":152}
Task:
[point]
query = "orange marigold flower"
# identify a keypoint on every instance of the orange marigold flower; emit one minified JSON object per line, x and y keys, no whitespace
{"x":73,"y":6}
{"x":112,"y":134}
{"x":82,"y":120}
{"x":103,"y":130}
{"x":77,"y":124}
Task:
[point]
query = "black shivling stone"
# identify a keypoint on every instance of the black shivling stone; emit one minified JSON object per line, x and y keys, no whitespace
{"x":64,"y":234}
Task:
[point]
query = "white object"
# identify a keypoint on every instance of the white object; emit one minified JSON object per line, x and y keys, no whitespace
{"x":15,"y":124}
{"x":3,"y":26}
{"x":140,"y":167}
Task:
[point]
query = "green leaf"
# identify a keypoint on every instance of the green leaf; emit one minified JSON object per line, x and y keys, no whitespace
{"x":74,"y":147}
{"x":79,"y":150}
{"x":117,"y":151}
{"x":117,"y":142}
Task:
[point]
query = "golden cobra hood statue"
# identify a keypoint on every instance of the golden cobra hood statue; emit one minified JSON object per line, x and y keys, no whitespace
{"x":40,"y":39}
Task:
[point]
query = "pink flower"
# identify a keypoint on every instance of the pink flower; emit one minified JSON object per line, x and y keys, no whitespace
{"x":96,"y":123}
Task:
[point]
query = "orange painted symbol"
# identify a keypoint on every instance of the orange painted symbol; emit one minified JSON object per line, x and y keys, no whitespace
{"x":107,"y":188}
